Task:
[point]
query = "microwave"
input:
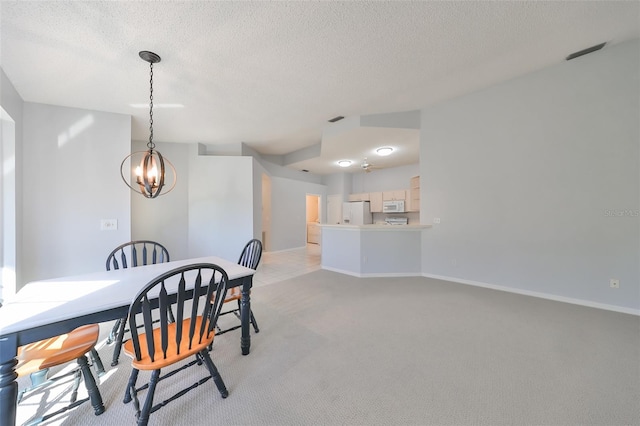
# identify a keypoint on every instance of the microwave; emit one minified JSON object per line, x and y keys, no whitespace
{"x":393,"y":206}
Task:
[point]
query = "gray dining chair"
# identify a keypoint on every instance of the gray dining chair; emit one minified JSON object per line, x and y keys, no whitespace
{"x":250,"y":257}
{"x":199,"y":291}
{"x":129,"y":255}
{"x":35,"y":359}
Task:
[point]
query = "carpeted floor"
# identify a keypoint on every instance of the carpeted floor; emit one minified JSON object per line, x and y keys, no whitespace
{"x":339,"y":350}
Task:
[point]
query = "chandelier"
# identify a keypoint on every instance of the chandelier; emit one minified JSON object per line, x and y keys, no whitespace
{"x":150,"y":174}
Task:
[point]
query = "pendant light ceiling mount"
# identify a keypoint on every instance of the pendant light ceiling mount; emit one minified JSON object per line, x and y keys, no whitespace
{"x":150,"y":174}
{"x":150,"y":57}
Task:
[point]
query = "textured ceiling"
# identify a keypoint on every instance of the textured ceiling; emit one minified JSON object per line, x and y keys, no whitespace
{"x":271,"y":74}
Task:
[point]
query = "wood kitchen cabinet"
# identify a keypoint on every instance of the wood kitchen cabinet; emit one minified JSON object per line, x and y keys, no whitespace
{"x":375,"y":201}
{"x":414,"y":195}
{"x":398,"y":195}
{"x":363,"y":196}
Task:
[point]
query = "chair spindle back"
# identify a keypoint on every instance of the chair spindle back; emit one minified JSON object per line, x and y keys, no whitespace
{"x":201,"y":289}
{"x":135,"y":253}
{"x":251,"y":254}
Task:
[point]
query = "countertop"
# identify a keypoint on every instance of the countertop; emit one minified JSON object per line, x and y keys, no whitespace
{"x":375,"y":227}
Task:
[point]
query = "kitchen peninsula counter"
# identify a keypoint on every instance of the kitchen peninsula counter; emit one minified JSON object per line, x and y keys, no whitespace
{"x":373,"y":250}
{"x":377,"y":227}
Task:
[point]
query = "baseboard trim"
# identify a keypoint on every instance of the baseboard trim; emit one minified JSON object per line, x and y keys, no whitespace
{"x":285,"y":250}
{"x":554,"y":297}
{"x":391,"y":275}
{"x":340,"y":271}
{"x":374,"y":275}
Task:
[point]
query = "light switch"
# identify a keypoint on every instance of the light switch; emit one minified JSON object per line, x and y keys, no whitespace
{"x":109,"y":224}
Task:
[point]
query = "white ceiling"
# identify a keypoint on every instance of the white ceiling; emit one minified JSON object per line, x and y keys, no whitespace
{"x":270,"y":74}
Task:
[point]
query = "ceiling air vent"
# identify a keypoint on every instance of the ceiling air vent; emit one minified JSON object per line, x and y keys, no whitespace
{"x":586,"y":51}
{"x":334,"y":119}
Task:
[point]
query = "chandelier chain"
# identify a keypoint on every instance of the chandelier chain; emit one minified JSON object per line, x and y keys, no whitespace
{"x":151,"y":145}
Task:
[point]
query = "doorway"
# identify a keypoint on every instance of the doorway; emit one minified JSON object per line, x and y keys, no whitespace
{"x":313,"y":219}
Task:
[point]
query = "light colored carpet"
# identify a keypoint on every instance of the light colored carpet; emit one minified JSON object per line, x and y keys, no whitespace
{"x":339,"y":350}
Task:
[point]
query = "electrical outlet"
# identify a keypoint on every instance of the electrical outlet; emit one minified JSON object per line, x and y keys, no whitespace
{"x":613,"y":283}
{"x":109,"y":224}
{"x":436,"y":220}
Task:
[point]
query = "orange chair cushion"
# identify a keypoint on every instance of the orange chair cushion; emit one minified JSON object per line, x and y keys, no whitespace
{"x":233,"y":294}
{"x":173,"y":356}
{"x":57,"y":350}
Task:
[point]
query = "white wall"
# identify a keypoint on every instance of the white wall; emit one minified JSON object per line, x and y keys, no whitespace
{"x":524,"y":176}
{"x":71,"y":181}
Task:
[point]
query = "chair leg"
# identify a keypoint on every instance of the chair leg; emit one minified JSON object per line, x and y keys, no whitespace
{"x":113,"y":334}
{"x":97,"y":362}
{"x":90,"y":383}
{"x":118,"y":346}
{"x":143,"y":419}
{"x":215,"y":375}
{"x":254,"y":323}
{"x":37,"y":378}
{"x":133,"y":378}
{"x":76,"y":384}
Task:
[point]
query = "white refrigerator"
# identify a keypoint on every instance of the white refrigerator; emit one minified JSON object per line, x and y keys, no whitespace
{"x":356,"y":213}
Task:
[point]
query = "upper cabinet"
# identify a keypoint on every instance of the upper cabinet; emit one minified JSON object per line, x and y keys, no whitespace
{"x":413,"y":198}
{"x":363,"y":196}
{"x":399,"y":195}
{"x":375,"y":199}
{"x":410,"y":196}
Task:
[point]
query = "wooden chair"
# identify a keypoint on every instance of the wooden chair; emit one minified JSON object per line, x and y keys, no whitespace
{"x":197,"y":292}
{"x":36,"y":358}
{"x":131,"y":254}
{"x":250,"y":257}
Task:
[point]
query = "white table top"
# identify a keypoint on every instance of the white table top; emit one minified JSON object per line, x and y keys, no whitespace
{"x":49,"y":301}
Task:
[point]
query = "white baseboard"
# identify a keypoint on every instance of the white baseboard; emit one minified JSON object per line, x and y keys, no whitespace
{"x":538,"y":294}
{"x":285,"y":250}
{"x":391,"y":275}
{"x":374,"y":275}
{"x":340,"y":271}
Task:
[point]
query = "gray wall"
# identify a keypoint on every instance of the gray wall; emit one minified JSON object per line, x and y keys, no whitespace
{"x":338,"y":183}
{"x":165,"y":219}
{"x":220,"y":211}
{"x":536,"y":181}
{"x":288,"y":211}
{"x":258,"y":171}
{"x":71,"y":181}
{"x":384,"y":179}
{"x":11,"y":197}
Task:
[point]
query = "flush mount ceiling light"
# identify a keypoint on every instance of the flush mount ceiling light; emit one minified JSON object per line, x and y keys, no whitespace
{"x":383,"y":151}
{"x":150,"y":173}
{"x":345,"y":163}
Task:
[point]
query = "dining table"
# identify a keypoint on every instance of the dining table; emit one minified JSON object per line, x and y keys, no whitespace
{"x":48,"y":308}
